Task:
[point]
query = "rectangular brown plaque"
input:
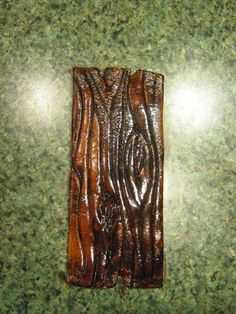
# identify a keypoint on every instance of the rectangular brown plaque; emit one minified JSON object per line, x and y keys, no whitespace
{"x":116,"y":187}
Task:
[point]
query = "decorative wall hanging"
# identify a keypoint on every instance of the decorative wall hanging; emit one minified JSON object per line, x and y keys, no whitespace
{"x":116,"y":183}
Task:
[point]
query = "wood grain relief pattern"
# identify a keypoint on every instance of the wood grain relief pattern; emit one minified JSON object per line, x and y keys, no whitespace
{"x":116,"y":181}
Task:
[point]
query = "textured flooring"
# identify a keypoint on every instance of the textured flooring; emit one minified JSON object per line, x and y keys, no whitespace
{"x":193,"y":45}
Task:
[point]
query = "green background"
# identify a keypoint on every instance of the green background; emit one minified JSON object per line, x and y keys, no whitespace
{"x":191,"y":43}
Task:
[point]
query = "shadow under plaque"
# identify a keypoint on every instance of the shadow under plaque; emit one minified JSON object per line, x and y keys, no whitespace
{"x":116,"y":181}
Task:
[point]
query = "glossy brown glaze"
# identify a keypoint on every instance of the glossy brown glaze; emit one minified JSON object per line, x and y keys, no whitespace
{"x":116,"y":192}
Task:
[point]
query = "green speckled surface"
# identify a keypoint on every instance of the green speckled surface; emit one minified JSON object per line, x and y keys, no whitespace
{"x":193,"y":44}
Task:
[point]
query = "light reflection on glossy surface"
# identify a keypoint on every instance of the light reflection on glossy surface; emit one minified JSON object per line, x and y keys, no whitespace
{"x":42,"y":95}
{"x":43,"y":99}
{"x":193,"y":106}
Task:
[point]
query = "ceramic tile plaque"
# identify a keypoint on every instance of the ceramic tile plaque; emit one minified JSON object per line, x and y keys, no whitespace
{"x":116,"y":182}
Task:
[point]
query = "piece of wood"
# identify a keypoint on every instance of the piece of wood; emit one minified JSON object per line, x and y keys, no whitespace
{"x":116,"y":184}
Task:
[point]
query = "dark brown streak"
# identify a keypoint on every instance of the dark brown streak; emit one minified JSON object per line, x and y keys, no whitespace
{"x":78,"y":126}
{"x":117,"y":173}
{"x":140,"y":253}
{"x":74,"y":230}
{"x":105,"y":128}
{"x":125,"y":207}
{"x":130,"y":189}
{"x":146,"y":222}
{"x":104,"y":259}
{"x":103,"y":101}
{"x":99,"y":259}
{"x":134,"y":221}
{"x":87,"y":246}
{"x":88,"y":186}
{"x":156,"y":168}
{"x":93,"y":113}
{"x":75,"y":120}
{"x":158,"y":222}
{"x":80,"y":176}
{"x":96,"y":259}
{"x":113,"y":151}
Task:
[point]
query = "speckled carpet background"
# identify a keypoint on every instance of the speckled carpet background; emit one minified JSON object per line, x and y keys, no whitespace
{"x":193,"y":44}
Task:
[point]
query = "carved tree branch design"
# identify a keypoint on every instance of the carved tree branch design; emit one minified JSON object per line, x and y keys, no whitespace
{"x":116,"y":198}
